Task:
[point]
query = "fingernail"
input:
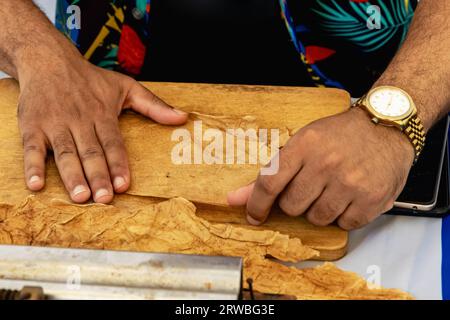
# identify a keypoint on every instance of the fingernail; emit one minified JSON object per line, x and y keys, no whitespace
{"x":180,"y":112}
{"x":34,"y":180}
{"x":253,"y":221}
{"x":101,"y":193}
{"x":78,"y":189}
{"x":119,"y":182}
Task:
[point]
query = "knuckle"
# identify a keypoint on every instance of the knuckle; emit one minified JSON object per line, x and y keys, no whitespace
{"x":119,"y":167}
{"x":353,"y":180}
{"x":61,"y":153}
{"x":91,"y":153}
{"x":375,"y":197}
{"x":63,"y":145}
{"x":29,"y":137}
{"x":287,"y":161}
{"x":101,"y":109}
{"x":100,"y":178}
{"x":331,"y":160}
{"x":32,"y":143}
{"x":301,"y":189}
{"x":287,"y":204}
{"x":352,"y":222}
{"x":269,"y":185}
{"x":97,"y":105}
{"x":330,"y":208}
{"x":75,"y":113}
{"x":112,"y":144}
{"x":82,"y":112}
{"x":32,"y":147}
{"x":311,"y":135}
{"x":33,"y":170}
{"x":319,"y":219}
{"x":325,"y":213}
{"x":154,"y":99}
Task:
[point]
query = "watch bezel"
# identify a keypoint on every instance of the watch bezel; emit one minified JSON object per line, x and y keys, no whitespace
{"x":385,"y":118}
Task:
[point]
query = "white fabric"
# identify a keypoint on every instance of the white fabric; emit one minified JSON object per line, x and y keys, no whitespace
{"x":406,"y":251}
{"x":48,"y":6}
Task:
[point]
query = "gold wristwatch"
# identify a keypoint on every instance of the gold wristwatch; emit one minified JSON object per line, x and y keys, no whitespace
{"x":392,"y":106}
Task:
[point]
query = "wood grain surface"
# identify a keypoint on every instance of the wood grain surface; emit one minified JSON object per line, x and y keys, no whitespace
{"x":273,"y":107}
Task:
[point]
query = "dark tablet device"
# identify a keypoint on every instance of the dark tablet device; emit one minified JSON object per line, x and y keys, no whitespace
{"x":442,"y":207}
{"x":423,"y":184}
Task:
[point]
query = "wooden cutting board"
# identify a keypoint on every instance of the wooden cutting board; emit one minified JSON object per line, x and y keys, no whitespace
{"x":272,"y":106}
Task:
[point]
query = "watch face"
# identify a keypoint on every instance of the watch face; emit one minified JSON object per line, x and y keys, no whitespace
{"x":390,"y":102}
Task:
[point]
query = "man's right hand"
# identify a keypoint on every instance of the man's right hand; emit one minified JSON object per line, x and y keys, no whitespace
{"x":72,"y":107}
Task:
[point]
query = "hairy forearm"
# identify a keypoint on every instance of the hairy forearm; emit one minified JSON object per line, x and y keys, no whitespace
{"x":422,"y":65}
{"x":28,"y":39}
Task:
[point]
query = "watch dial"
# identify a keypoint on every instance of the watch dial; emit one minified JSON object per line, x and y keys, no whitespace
{"x":390,"y":102}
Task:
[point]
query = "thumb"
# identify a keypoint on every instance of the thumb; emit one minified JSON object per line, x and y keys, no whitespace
{"x":240,"y":196}
{"x":146,"y":103}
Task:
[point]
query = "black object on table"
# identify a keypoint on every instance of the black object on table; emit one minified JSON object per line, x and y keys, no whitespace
{"x":423,"y":176}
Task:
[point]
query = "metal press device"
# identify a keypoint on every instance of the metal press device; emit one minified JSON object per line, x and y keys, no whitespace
{"x":55,"y":273}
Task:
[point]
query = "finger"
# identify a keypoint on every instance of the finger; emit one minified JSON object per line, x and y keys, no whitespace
{"x":268,"y":187}
{"x":69,"y":166}
{"x":302,"y":191}
{"x":115,"y":152}
{"x":94,"y":163}
{"x":364,"y":209}
{"x":240,"y":196}
{"x":35,"y":152}
{"x":354,"y":217}
{"x":329,"y":206}
{"x":358,"y":215}
{"x":145,"y":102}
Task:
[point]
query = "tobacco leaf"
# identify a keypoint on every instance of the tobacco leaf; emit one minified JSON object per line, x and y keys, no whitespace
{"x":172,"y":226}
{"x":324,"y":282}
{"x":169,"y":226}
{"x":227,"y":161}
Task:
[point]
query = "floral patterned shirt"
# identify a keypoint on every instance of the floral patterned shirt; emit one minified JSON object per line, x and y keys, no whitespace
{"x":341,"y":43}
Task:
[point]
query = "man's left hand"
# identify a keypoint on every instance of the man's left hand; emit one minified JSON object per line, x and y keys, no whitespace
{"x":343,"y":168}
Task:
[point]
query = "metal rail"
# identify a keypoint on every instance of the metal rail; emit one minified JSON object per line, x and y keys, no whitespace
{"x":104,"y":274}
